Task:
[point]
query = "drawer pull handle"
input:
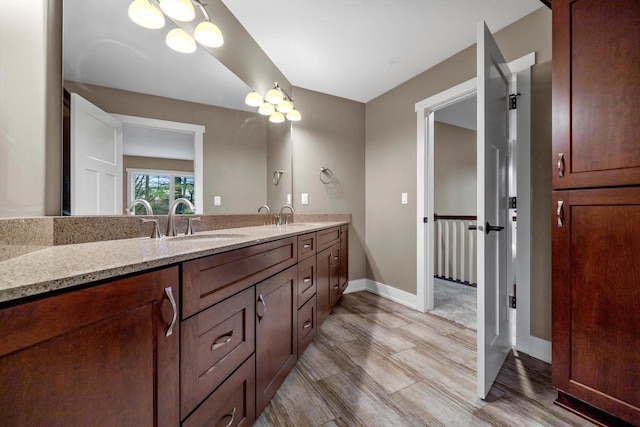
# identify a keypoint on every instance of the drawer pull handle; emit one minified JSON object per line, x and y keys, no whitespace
{"x":306,"y":280}
{"x":335,"y":258}
{"x":264,"y":312}
{"x":172,"y":300}
{"x":306,"y":246}
{"x":231,"y":414}
{"x":307,"y":324}
{"x":560,"y":213}
{"x":561,"y":165}
{"x":336,"y":286}
{"x":220,"y":341}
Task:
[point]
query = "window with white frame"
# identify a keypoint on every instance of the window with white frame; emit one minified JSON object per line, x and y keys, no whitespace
{"x":160,"y":188}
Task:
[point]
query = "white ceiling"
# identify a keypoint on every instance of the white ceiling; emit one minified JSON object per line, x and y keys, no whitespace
{"x":355,"y":49}
{"x":360,"y":49}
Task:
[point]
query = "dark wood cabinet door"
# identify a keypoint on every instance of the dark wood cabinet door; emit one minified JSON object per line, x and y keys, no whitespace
{"x":344,"y":257}
{"x":95,"y":356}
{"x":307,"y":324}
{"x":328,"y":278}
{"x":596,"y":93}
{"x":276,"y":333}
{"x":596,"y":298}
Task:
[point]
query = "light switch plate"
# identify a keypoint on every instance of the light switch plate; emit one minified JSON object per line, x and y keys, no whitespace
{"x":405,"y":198}
{"x":217,"y":200}
{"x":305,"y":198}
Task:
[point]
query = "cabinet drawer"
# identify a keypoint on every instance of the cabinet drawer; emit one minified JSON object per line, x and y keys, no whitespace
{"x":306,"y":280}
{"x":306,"y":246}
{"x":214,"y":344}
{"x":209,"y":280}
{"x":307,"y":321}
{"x":233,"y":404}
{"x":328,"y":237}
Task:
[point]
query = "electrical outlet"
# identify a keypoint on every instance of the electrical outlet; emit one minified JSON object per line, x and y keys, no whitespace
{"x":288,"y":198}
{"x":305,"y":198}
{"x":217,"y":200}
{"x":405,"y":198}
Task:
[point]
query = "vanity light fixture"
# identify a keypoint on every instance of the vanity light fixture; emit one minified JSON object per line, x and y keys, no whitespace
{"x":277,"y":104}
{"x":147,"y":15}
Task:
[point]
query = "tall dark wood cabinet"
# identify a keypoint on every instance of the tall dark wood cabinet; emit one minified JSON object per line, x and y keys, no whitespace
{"x":596,"y":201}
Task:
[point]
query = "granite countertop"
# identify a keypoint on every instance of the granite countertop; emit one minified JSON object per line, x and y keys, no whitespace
{"x":65,"y":266}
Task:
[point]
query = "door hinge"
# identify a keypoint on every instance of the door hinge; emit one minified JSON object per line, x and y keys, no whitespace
{"x":512,"y":203}
{"x":512,"y":301}
{"x":425,"y":220}
{"x":513,"y":101}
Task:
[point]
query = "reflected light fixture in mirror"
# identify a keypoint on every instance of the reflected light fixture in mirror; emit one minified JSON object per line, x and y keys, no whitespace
{"x":145,"y":14}
{"x":277,"y":103}
{"x":180,"y":10}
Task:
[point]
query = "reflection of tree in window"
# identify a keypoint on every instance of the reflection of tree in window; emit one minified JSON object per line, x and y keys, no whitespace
{"x":157,"y":190}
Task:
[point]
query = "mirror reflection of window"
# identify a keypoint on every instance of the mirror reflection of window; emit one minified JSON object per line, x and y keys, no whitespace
{"x":160,"y":189}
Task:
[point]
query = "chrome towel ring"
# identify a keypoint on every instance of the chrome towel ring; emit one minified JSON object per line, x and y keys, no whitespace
{"x":329,"y":175}
{"x":277,"y":175}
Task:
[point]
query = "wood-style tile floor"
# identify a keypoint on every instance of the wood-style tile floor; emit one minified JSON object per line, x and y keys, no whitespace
{"x":377,"y":363}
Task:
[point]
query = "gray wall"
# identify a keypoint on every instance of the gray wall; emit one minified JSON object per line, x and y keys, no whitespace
{"x":331,"y":134}
{"x":454,"y":170}
{"x":391,"y":147}
{"x":278,"y":158}
{"x":235,"y":143}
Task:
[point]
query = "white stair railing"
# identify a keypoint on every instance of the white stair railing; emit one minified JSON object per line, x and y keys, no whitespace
{"x":455,"y":248}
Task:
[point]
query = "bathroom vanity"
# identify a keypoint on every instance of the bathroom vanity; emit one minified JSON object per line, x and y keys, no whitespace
{"x":190,"y":332}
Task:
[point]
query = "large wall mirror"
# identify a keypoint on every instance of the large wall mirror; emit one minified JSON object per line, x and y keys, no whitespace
{"x":184,"y":126}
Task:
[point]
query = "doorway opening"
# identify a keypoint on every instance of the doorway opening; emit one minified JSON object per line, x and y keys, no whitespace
{"x":455,"y":246}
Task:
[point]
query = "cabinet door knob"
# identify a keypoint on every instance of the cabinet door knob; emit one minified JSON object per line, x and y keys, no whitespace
{"x":561,"y":165}
{"x":172,"y":300}
{"x":560,"y":213}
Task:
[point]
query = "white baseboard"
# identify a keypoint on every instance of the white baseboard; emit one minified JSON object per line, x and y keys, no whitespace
{"x":391,"y":293}
{"x":535,"y":347}
{"x":356,"y":286}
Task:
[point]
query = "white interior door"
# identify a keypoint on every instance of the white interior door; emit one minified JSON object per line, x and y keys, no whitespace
{"x":96,"y":160}
{"x":494,"y":251}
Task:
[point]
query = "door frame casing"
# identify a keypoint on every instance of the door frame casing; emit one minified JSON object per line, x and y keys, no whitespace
{"x":425,"y":111}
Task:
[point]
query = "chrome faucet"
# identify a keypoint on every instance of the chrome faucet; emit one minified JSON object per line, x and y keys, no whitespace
{"x":279,"y":217}
{"x":265,"y":207}
{"x":171,"y":219}
{"x":143,"y":202}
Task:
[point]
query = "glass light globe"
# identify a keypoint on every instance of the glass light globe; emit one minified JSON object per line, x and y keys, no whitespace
{"x":180,"y":41}
{"x":276,"y":117}
{"x":274,"y":96}
{"x":266,"y":109}
{"x":253,"y":99}
{"x":180,"y":10}
{"x":208,"y":34}
{"x":284,"y":107}
{"x":145,"y":14}
{"x":294,"y":116}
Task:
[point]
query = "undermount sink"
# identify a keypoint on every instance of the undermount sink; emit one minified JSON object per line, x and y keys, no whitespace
{"x":206,"y":237}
